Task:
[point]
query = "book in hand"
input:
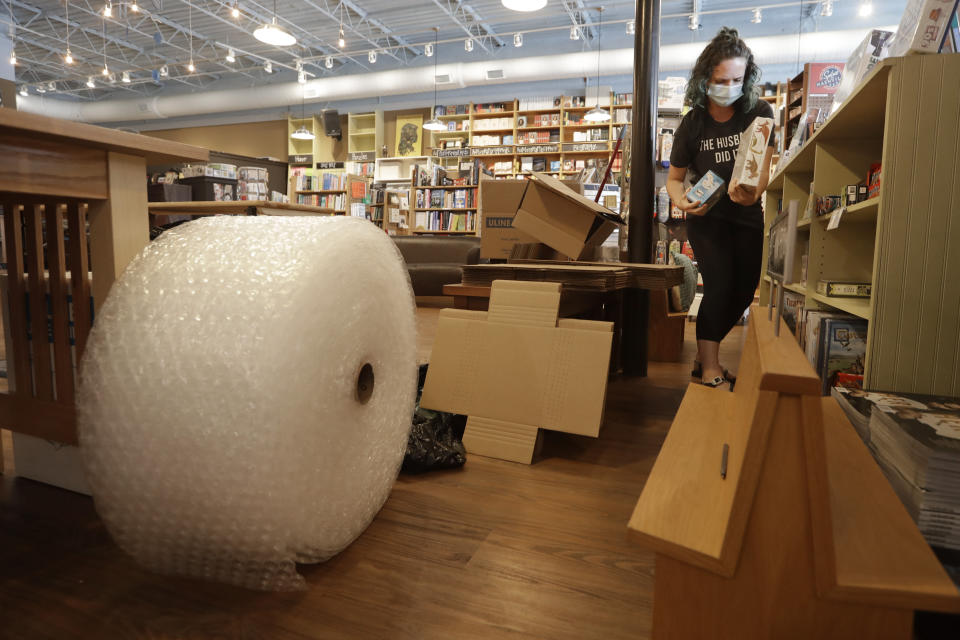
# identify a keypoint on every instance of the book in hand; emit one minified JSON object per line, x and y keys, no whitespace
{"x":843,"y":289}
{"x":708,"y":190}
{"x":753,"y":148}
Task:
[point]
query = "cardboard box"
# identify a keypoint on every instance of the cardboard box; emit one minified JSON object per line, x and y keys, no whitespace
{"x":562,"y":219}
{"x":516,"y":369}
{"x":499,"y":202}
{"x":753,"y":147}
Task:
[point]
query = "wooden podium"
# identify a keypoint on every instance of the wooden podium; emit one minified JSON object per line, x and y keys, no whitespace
{"x":801,"y":538}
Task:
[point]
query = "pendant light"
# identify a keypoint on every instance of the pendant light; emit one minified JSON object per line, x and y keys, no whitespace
{"x":524,"y":5}
{"x":68,"y":58}
{"x":434,"y":124}
{"x":302,"y":133}
{"x":273,"y":34}
{"x":598,"y":114}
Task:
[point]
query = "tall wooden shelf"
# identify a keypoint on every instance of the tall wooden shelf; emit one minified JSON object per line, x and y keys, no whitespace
{"x":902,"y":242}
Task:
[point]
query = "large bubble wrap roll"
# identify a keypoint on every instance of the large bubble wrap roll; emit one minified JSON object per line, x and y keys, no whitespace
{"x":228,"y":424}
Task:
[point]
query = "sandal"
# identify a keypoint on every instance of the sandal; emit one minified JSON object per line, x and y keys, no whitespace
{"x":698,"y":372}
{"x":716,"y":382}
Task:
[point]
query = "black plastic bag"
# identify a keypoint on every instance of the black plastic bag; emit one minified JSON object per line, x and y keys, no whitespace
{"x":435,"y":438}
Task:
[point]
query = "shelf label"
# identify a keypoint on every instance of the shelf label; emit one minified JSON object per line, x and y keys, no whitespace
{"x":493,"y":151}
{"x":538,"y":148}
{"x":329,"y":165}
{"x":462,"y":152}
{"x":586,"y":146}
{"x":303,"y":158}
{"x":363,"y":156}
{"x":835,"y":218}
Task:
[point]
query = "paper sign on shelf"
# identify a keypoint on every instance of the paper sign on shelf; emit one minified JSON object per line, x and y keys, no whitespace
{"x":835,"y":218}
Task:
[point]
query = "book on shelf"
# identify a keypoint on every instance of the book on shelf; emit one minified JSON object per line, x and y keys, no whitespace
{"x":792,"y":312}
{"x":842,"y":349}
{"x":843,"y":289}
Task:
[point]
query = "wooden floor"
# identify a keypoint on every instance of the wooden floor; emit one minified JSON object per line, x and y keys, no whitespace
{"x":495,"y":550}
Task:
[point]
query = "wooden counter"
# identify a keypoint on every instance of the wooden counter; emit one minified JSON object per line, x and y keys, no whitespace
{"x":61,"y":175}
{"x":236,"y":207}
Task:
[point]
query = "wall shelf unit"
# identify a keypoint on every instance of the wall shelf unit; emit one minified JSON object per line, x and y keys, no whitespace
{"x":898,"y":241}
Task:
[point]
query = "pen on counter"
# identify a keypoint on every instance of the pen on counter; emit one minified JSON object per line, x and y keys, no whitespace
{"x":723,"y":461}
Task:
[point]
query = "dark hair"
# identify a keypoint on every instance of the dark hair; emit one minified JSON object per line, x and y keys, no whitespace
{"x":725,"y":45}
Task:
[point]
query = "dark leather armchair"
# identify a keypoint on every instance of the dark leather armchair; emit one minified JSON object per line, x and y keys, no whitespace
{"x":434,"y":261}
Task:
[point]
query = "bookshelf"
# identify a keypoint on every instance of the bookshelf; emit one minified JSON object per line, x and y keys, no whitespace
{"x":326,"y":188}
{"x":902,"y":242}
{"x":548,"y":131}
{"x":364,"y":137}
{"x":446,"y":200}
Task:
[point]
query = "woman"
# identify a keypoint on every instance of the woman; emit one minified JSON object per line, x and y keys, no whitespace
{"x":727,"y":240}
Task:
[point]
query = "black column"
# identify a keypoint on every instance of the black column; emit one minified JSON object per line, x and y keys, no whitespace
{"x":646,"y":63}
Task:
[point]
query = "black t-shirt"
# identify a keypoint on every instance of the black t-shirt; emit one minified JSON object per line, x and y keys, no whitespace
{"x":702,"y":144}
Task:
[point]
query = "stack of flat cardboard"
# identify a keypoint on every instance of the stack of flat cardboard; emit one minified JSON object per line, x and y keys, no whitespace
{"x":571,"y":275}
{"x":517,"y":369}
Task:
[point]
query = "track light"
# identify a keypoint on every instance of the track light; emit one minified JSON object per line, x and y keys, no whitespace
{"x":230,"y":56}
{"x":41,"y":88}
{"x":518,"y":39}
{"x":574,"y":32}
{"x":13,"y":58}
{"x":468,"y":45}
{"x":301,"y":77}
{"x":866,"y":9}
{"x":24,"y":92}
{"x":631,"y":27}
{"x":757,"y":16}
{"x":134,"y":7}
{"x":268,"y":66}
{"x":694,"y":22}
{"x":90,"y":83}
{"x":341,"y":42}
{"x":68,"y":58}
{"x":372,"y":57}
{"x":428,"y":50}
{"x":328,"y":63}
{"x":105,"y":71}
{"x":112,"y":78}
{"x":826,"y":9}
{"x":235,"y":12}
{"x":125,"y":77}
{"x":164,"y":71}
{"x":108,"y":10}
{"x":52,"y":86}
{"x":191,"y":67}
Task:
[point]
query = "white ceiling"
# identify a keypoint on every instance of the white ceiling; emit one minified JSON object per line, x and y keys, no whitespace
{"x":160,"y":34}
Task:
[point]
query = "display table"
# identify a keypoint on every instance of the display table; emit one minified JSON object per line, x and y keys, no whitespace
{"x":58,"y":175}
{"x":770,"y":519}
{"x":236,"y":207}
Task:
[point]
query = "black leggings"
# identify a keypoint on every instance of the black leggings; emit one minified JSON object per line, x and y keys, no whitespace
{"x":729,"y":259}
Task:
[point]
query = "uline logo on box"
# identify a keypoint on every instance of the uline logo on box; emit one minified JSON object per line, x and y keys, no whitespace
{"x":499,"y":223}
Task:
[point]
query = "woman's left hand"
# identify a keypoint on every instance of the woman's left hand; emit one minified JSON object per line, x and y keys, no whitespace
{"x":744,"y":196}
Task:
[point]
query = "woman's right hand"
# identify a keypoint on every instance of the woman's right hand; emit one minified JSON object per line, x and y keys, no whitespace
{"x":691,"y":208}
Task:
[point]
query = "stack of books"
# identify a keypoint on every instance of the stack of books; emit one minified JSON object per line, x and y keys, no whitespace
{"x":916,"y":441}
